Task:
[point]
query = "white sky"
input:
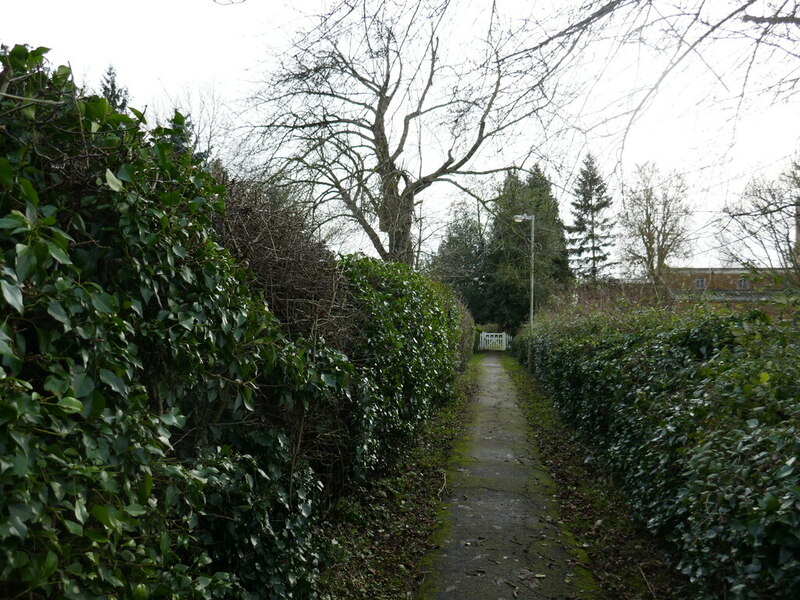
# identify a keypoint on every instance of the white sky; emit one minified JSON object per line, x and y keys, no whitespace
{"x":169,"y":48}
{"x":158,"y":48}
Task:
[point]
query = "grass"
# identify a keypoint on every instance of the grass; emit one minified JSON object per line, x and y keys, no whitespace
{"x":628,"y":563}
{"x":382,"y":530}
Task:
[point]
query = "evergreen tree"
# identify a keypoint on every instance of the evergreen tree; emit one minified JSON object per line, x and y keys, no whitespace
{"x":592,"y":227}
{"x":460,"y":260}
{"x":508,"y":263}
{"x":553,"y":273}
{"x":117,"y":96}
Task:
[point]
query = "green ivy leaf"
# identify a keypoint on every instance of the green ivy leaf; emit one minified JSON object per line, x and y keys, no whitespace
{"x":15,"y":221}
{"x":16,"y":525}
{"x":125,"y":173}
{"x":107,"y":515}
{"x":173,"y":420}
{"x":73,"y":527}
{"x":70,"y":405}
{"x":80,"y":511}
{"x":13,"y":295}
{"x":113,"y":380}
{"x":102,"y":302}
{"x":113,"y":182}
{"x":82,"y":385}
{"x":50,"y":565}
{"x":770,"y":502}
{"x":145,"y":487}
{"x":26,"y":261}
{"x":5,"y":345}
{"x":56,"y":384}
{"x":55,"y":310}
{"x":135,"y":510}
{"x":29,"y":111}
{"x":28,"y":191}
{"x":96,"y":536}
{"x":58,"y":253}
{"x":247,"y":397}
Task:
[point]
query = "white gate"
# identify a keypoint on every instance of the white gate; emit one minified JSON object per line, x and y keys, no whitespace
{"x":494,"y":341}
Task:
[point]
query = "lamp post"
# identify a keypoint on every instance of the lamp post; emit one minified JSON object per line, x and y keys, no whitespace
{"x":532,"y":219}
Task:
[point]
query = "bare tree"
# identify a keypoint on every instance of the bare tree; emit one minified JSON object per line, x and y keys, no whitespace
{"x":379,"y":100}
{"x":382,"y":99}
{"x":748,"y":49}
{"x":763,"y":230}
{"x":208,"y":125}
{"x":654,"y":220}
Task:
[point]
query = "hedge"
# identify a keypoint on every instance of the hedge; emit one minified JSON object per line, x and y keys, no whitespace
{"x":411,"y":346}
{"x":160,"y":435}
{"x":697,"y":416}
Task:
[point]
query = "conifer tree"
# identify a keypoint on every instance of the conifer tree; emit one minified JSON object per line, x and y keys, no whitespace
{"x":509,"y":257}
{"x":460,"y":259}
{"x":117,"y":96}
{"x":591,"y":230}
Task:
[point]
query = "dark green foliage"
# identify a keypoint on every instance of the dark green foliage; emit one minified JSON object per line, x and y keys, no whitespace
{"x":508,"y":264}
{"x":460,"y":260}
{"x":467,"y":329}
{"x":160,"y":436}
{"x":697,"y":414}
{"x":410,"y":346}
{"x":142,"y":383}
{"x":591,"y":229}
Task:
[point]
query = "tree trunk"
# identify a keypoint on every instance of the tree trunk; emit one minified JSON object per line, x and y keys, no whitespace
{"x":797,"y":233}
{"x":399,"y":229}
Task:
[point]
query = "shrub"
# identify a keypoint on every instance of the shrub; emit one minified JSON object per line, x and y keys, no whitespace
{"x":144,"y":389}
{"x":697,"y":416}
{"x":410,"y":346}
{"x":160,"y":435}
{"x":298,"y":275}
{"x":467,"y":328}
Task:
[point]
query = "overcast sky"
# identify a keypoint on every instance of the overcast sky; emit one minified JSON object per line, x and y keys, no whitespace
{"x":162,"y":49}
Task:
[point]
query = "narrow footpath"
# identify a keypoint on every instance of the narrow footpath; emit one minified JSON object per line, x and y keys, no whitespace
{"x":500,"y":538}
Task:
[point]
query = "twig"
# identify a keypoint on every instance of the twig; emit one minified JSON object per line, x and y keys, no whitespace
{"x":649,"y":587}
{"x":32,"y":100}
{"x":444,"y":484}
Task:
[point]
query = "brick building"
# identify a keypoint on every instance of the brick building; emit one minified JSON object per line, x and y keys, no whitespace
{"x":721,"y":284}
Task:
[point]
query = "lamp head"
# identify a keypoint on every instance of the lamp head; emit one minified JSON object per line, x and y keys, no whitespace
{"x":521,"y":218}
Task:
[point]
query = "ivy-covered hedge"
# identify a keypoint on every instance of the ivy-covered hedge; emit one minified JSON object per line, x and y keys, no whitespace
{"x":697,"y":414}
{"x":144,"y":388}
{"x":411,"y":346}
{"x":160,"y":435}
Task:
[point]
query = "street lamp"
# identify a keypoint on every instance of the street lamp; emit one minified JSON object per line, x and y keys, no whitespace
{"x":532,"y":219}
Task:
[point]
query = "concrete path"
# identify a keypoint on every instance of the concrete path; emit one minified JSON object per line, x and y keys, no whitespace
{"x":500,"y":538}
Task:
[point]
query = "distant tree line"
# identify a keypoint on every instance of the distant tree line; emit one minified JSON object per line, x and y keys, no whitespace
{"x":489,"y":263}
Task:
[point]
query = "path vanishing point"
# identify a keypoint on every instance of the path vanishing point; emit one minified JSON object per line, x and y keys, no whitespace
{"x":499,"y":537}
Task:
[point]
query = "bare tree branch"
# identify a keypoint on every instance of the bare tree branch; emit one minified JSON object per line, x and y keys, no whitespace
{"x":373,"y":73}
